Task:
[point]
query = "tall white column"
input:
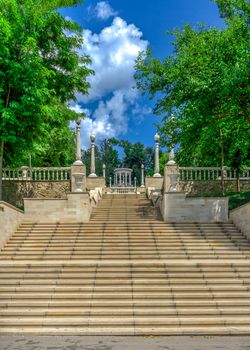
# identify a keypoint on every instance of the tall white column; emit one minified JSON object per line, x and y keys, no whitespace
{"x":104,"y":173}
{"x":171,"y":160}
{"x":157,"y":165}
{"x":78,"y":160}
{"x":92,"y":166}
{"x":110,"y":181}
{"x":142,"y":176}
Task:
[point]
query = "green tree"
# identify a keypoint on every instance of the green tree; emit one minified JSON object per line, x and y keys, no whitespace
{"x":40,"y":71}
{"x":134,"y":155}
{"x":205,"y":85}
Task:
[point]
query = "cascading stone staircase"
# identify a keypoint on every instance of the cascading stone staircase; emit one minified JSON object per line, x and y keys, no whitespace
{"x":126,"y":272}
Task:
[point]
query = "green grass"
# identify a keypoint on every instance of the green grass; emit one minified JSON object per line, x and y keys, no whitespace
{"x":236,"y":199}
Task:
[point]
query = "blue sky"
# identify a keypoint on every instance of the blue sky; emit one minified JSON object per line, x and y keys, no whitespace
{"x":114,"y":32}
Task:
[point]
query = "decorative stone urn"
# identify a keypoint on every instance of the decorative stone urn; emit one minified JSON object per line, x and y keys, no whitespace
{"x":78,"y":181}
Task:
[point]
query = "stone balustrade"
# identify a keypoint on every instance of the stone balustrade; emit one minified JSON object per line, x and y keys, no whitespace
{"x":37,"y":173}
{"x":63,"y":173}
{"x":211,"y":173}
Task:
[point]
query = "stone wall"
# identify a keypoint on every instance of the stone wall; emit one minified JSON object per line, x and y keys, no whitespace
{"x":241,"y":218}
{"x":76,"y":207}
{"x":10,"y":219}
{"x":14,"y":191}
{"x":201,"y":187}
{"x":176,"y":207}
{"x":94,"y":182}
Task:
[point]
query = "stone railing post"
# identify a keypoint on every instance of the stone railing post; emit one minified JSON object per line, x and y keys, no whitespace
{"x":171,"y":175}
{"x":25,"y":175}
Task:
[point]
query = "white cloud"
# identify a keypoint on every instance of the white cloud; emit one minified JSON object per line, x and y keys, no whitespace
{"x":104,"y":11}
{"x":113,"y":52}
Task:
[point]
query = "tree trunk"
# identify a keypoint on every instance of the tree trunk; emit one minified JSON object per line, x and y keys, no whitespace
{"x":222,"y":164}
{"x":1,"y":168}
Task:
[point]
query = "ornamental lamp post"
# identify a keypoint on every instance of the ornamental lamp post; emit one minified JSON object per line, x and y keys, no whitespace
{"x":92,"y":166}
{"x":157,"y":165}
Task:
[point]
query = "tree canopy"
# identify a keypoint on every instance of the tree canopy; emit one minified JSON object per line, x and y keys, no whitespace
{"x":40,"y":72}
{"x":205,"y":85}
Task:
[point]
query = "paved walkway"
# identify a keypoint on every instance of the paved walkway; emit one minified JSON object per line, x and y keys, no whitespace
{"x":123,"y":343}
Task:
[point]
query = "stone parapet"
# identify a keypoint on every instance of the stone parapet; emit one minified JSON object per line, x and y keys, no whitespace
{"x":75,"y":208}
{"x":241,"y":218}
{"x":78,"y":170}
{"x":176,"y":207}
{"x":95,"y":182}
{"x":10,"y":219}
{"x":154,"y":182}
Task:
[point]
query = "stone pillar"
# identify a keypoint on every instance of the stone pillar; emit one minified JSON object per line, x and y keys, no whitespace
{"x":25,"y":173}
{"x":171,"y":178}
{"x":78,"y":160}
{"x":92,"y":166}
{"x":142,"y":176}
{"x":130,"y":181}
{"x":104,"y":173}
{"x":110,"y":181}
{"x":157,"y":165}
{"x":78,"y":169}
{"x":135,"y":182}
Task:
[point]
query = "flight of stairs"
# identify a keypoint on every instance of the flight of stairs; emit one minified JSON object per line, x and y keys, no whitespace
{"x":126,"y":272}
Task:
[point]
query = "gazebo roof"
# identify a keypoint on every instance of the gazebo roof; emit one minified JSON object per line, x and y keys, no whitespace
{"x":123,"y":170}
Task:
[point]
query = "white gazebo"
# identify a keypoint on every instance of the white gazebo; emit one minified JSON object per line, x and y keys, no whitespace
{"x":123,"y":177}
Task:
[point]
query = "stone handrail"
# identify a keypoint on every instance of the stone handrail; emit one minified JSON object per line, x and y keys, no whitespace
{"x":211,"y":173}
{"x":37,"y":173}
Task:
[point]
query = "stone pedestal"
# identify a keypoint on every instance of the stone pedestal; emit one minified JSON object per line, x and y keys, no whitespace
{"x":75,"y":171}
{"x":171,"y":178}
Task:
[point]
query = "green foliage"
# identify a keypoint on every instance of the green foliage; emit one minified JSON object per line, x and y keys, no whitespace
{"x":40,"y":70}
{"x":236,"y":199}
{"x":206,"y":87}
{"x":134,"y":155}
